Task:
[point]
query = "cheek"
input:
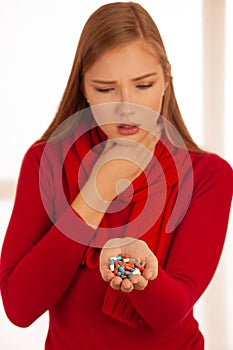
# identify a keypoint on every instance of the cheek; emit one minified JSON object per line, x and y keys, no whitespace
{"x":108,"y":130}
{"x":155,"y":101}
{"x":90,"y":94}
{"x":153,"y":98}
{"x":158,"y":104}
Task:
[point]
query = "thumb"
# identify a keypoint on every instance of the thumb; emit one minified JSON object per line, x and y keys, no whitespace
{"x":151,"y":269}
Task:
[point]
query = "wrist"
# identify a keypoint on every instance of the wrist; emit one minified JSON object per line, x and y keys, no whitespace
{"x":94,"y":199}
{"x":90,"y":215}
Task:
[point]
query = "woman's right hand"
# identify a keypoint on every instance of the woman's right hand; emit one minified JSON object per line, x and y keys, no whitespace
{"x":121,"y":162}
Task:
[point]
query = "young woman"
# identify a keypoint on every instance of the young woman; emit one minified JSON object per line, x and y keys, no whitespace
{"x":116,"y":173}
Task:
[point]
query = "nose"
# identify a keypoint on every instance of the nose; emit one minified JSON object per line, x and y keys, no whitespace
{"x":124,"y":109}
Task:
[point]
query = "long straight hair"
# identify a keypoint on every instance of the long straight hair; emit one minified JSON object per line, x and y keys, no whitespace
{"x":112,"y":25}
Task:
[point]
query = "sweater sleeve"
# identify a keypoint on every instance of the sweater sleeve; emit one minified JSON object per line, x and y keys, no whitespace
{"x":195,"y":249}
{"x":38,"y":261}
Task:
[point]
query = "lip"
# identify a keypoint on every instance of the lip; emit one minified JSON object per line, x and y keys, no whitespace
{"x":130,"y":131}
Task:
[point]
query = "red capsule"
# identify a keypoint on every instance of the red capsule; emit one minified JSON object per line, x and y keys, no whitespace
{"x":128,"y":268}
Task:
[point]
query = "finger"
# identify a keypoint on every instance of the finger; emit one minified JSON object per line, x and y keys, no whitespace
{"x":107,"y":275}
{"x":150,"y":272}
{"x":127,"y":286}
{"x":139,"y":282}
{"x":115,"y":283}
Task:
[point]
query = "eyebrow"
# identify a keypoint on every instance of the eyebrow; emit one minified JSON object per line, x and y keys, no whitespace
{"x":134,"y":79}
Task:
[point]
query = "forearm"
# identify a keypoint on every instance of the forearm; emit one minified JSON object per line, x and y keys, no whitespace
{"x":38,"y":279}
{"x":165,"y":302}
{"x":194,"y":253}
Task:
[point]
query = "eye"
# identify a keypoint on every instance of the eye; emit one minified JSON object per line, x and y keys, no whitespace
{"x":144,"y":86}
{"x":104,"y":90}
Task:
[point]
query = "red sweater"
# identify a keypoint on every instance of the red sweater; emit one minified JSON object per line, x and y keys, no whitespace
{"x":41,"y":268}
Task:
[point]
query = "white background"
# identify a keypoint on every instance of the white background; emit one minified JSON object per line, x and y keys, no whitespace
{"x":38,"y":40}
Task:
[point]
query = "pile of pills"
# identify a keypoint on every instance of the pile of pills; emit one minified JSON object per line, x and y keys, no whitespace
{"x":125,"y":267}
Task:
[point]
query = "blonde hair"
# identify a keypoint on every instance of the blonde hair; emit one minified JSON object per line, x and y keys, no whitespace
{"x":109,"y":26}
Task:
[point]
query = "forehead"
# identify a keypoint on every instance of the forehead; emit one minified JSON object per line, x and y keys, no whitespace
{"x":129,"y":59}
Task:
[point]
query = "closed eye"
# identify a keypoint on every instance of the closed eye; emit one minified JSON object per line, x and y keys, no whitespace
{"x":144,"y":86}
{"x":104,"y":90}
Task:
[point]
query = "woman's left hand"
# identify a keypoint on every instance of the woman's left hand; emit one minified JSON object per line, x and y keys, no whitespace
{"x":135,"y":248}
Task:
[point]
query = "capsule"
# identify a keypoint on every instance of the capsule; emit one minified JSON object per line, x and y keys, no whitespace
{"x":111,"y":264}
{"x":125,"y":267}
{"x":118,"y":257}
{"x":132,"y":259}
{"x":131,"y":264}
{"x":113,"y":258}
{"x":121,"y":269}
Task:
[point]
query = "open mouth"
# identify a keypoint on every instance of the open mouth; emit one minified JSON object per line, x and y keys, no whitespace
{"x":128,"y":126}
{"x":128,"y":129}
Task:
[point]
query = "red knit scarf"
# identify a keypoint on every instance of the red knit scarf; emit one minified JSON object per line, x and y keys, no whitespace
{"x":145,"y":217}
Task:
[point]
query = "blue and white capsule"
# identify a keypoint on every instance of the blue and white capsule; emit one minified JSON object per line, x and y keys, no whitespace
{"x":111,"y":265}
